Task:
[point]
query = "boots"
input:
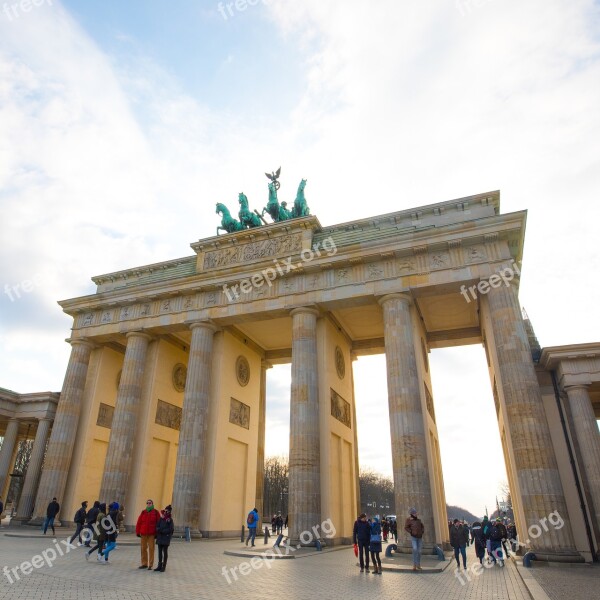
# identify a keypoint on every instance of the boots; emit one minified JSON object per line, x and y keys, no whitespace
{"x":159,"y":567}
{"x":164,"y":565}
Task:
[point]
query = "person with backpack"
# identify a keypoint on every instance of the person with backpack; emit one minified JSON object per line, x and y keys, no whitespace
{"x":497,"y":534}
{"x":252,"y":522}
{"x":361,"y":536}
{"x":478,"y":539}
{"x":164,"y":533}
{"x":90,"y":519}
{"x":99,"y":534}
{"x":145,"y":529}
{"x":375,"y":546}
{"x":459,"y":534}
{"x":79,"y":520}
{"x":485,"y":527}
{"x":112,"y":531}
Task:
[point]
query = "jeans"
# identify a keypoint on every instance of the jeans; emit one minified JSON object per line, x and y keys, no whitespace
{"x":417,"y":545}
{"x":251,"y":535}
{"x":109,"y":546}
{"x":363,"y":547}
{"x":77,"y":533}
{"x":49,"y":522}
{"x":463,"y":552}
{"x":496,"y":548}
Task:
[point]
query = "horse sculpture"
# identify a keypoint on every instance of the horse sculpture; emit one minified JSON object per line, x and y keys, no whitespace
{"x":300,"y":207}
{"x":276,"y":211}
{"x":247,"y":217}
{"x":228,"y":223}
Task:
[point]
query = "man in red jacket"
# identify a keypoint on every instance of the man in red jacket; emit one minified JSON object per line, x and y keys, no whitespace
{"x":146,"y":529}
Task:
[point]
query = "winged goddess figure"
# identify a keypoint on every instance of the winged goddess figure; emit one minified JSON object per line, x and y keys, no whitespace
{"x":274,"y":176}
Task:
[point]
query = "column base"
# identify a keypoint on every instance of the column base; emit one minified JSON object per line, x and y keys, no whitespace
{"x":195,"y":534}
{"x":570,"y":556}
{"x":428,"y":548}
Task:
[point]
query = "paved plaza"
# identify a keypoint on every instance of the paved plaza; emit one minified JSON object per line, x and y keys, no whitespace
{"x":195,"y":570}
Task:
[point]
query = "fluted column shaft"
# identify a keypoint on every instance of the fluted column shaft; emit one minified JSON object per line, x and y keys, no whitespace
{"x":6,"y":453}
{"x":34,"y":470}
{"x":260,"y":452}
{"x":191,"y":452}
{"x":305,"y":455}
{"x":412,"y":487}
{"x":62,"y":439}
{"x":588,"y":439}
{"x":119,"y":456}
{"x":535,"y":462}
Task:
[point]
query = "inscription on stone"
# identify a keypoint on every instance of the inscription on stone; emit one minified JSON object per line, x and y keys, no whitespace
{"x":105,"y":415}
{"x":168,"y":415}
{"x":254,"y":250}
{"x":239,"y":413}
{"x":340,"y":409}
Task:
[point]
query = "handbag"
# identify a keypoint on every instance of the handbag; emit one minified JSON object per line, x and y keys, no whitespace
{"x":356,"y":550}
{"x":375,"y":537}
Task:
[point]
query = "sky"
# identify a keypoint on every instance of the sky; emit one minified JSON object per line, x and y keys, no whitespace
{"x":122,"y":123}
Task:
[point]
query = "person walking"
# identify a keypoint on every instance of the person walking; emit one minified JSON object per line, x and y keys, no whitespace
{"x":90,"y":519}
{"x":478,"y":539}
{"x":252,"y":522}
{"x":51,"y":512}
{"x":385,"y":529}
{"x":459,"y":534}
{"x":497,"y":534}
{"x":79,"y":520}
{"x":99,"y":533}
{"x":511,"y":530}
{"x":361,"y":536}
{"x":112,"y":531}
{"x":375,"y":546}
{"x":415,"y":528}
{"x":486,"y":526}
{"x":164,"y":533}
{"x":394,"y":530}
{"x":279,"y":523}
{"x":145,"y":529}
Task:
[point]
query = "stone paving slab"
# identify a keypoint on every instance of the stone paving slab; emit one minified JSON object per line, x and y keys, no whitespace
{"x":560,"y":582}
{"x":201,"y":570}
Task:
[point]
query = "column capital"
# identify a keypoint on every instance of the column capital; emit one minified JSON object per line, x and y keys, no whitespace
{"x":206,"y":324}
{"x":81,"y":341}
{"x":403,"y":296}
{"x":577,"y":386}
{"x":140,"y":334}
{"x":49,"y":419}
{"x":265,"y":364}
{"x":308,"y":310}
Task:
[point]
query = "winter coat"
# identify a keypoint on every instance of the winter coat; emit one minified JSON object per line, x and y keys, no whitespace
{"x":362,"y":532}
{"x":112,"y":530}
{"x":80,"y":516}
{"x":164,"y":531}
{"x":375,"y":546}
{"x":100,"y":531}
{"x":92,"y":513}
{"x":459,"y":536}
{"x":479,"y":538}
{"x":52,"y":509}
{"x":414,"y":526}
{"x":147,"y":522}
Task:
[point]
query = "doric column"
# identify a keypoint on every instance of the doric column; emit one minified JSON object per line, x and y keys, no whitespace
{"x":66,"y":420}
{"x":588,"y":439}
{"x":412,"y":486}
{"x":535,"y":462}
{"x":191,"y":452}
{"x":6,"y":454}
{"x":119,"y":456}
{"x":305,"y":455}
{"x":260,"y":453}
{"x":32,"y":478}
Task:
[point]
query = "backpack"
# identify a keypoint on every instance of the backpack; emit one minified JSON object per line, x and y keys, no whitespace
{"x":496,"y":532}
{"x":250,"y":518}
{"x":78,"y":517}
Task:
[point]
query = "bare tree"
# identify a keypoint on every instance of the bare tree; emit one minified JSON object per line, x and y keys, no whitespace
{"x":276,"y":487}
{"x":376,"y":493}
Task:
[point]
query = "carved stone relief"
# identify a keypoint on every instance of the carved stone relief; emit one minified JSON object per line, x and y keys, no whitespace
{"x":168,"y":415}
{"x":105,"y":415}
{"x":239,"y":413}
{"x":242,"y":370}
{"x":340,"y":409}
{"x":179,"y":376}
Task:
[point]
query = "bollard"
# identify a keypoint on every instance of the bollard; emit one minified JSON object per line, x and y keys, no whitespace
{"x":439,"y":552}
{"x":528,"y":558}
{"x":267,"y":536}
{"x":242,"y":536}
{"x":279,"y":538}
{"x":318,"y":545}
{"x":391,"y":548}
{"x":188,"y":534}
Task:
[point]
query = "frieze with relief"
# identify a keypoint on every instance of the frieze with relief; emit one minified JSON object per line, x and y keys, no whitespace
{"x":239,"y":413}
{"x":105,"y":415}
{"x":283,"y":245}
{"x":340,"y":409}
{"x":168,"y":415}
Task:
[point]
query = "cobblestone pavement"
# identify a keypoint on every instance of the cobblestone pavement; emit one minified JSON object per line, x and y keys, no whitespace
{"x":195,"y":571}
{"x":572,"y":583}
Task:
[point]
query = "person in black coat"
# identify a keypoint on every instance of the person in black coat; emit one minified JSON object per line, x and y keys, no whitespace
{"x":51,"y":513}
{"x":478,"y":537}
{"x":164,"y":533}
{"x":375,"y":545}
{"x":90,"y":519}
{"x":79,"y":521}
{"x":362,"y":537}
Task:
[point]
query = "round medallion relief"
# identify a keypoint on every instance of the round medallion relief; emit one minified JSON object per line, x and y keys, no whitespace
{"x":340,"y":363}
{"x":179,"y":377}
{"x":242,"y":370}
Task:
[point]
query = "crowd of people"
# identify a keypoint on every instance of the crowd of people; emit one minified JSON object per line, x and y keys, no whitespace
{"x":97,"y":530}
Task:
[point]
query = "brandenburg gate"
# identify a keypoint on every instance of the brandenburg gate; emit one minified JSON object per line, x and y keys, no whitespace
{"x":164,"y":394}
